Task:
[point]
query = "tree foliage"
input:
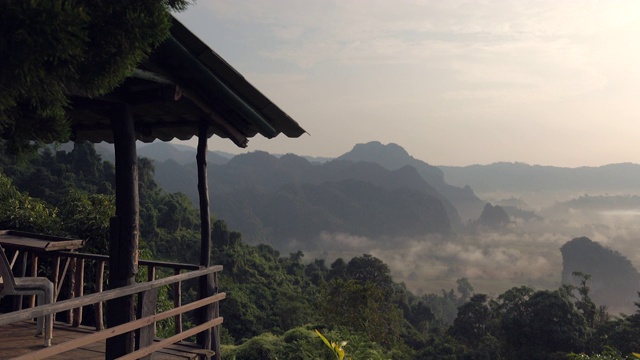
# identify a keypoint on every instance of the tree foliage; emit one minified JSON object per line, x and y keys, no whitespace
{"x":52,"y":49}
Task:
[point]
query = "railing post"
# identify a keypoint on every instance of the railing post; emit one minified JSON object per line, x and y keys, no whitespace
{"x":151,"y":275}
{"x":34,"y":272}
{"x":177,"y":302}
{"x":56,"y":276}
{"x":215,"y":334}
{"x":99,"y":309}
{"x":72,"y":288}
{"x":17,"y":305}
{"x":64,"y":273}
{"x":147,"y":301}
{"x":79,"y":291}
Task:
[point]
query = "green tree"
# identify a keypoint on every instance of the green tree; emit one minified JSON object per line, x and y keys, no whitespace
{"x":19,"y":211}
{"x":545,"y":324}
{"x":364,"y":300}
{"x":49,"y":49}
{"x":622,"y":333}
{"x":465,"y":289}
{"x":473,"y":320}
{"x":86,"y":216}
{"x":369,"y":269}
{"x":475,"y":327}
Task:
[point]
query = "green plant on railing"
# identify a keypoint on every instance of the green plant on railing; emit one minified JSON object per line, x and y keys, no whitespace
{"x":336,"y":348}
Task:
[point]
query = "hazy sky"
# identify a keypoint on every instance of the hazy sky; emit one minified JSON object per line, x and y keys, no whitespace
{"x":453,"y":82}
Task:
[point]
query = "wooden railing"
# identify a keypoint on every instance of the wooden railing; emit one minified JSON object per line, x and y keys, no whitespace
{"x":79,"y":268}
{"x":143,"y":322}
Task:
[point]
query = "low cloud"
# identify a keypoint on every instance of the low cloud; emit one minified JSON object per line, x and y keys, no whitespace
{"x":527,"y":253}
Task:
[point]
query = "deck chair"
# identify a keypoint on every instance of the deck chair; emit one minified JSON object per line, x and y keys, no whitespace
{"x":39,"y":286}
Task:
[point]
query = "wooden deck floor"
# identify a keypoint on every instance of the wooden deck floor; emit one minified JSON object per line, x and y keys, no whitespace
{"x":19,"y":339}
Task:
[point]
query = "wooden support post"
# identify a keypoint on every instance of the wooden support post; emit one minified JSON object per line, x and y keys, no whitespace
{"x":203,"y":195}
{"x":123,"y":249}
{"x":205,"y":287}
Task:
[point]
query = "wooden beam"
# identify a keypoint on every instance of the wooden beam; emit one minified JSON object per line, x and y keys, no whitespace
{"x":123,"y":250}
{"x":217,"y":120}
{"x":141,"y":262}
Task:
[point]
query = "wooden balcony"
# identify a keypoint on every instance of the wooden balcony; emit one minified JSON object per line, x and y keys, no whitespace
{"x":75,"y":338}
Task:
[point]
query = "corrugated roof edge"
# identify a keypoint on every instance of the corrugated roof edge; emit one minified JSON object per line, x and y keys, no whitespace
{"x":276,"y":117}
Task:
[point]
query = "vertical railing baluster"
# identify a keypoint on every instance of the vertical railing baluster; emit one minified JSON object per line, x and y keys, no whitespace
{"x":79,"y":291}
{"x":72,"y":287}
{"x":151,"y":275}
{"x":34,"y":272}
{"x":56,"y":276}
{"x":99,"y":307}
{"x":177,"y":301}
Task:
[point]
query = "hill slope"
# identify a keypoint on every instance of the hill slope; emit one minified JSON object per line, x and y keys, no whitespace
{"x":614,"y":281}
{"x":504,"y":176}
{"x":393,"y":156}
{"x":277,"y":200}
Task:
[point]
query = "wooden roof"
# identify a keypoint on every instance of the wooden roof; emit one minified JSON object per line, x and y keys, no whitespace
{"x":183,"y":83}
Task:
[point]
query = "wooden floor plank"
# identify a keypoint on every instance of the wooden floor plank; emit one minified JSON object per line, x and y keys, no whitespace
{"x":20,"y":338}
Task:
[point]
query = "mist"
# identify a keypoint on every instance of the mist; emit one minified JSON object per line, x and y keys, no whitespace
{"x":522,"y":253}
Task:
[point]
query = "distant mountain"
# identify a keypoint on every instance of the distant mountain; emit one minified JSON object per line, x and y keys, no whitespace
{"x":506,"y":177}
{"x":294,"y":216}
{"x":393,"y":157}
{"x":263,"y":196}
{"x":614,"y":281}
{"x":493,"y":216}
{"x":162,"y":151}
{"x":175,"y":177}
{"x":105,"y":150}
{"x":182,"y":154}
{"x":597,"y":205}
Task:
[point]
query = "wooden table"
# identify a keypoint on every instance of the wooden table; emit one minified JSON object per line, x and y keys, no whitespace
{"x":36,"y":245}
{"x":20,"y":240}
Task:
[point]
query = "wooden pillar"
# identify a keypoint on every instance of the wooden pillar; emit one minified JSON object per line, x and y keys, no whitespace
{"x":123,"y":247}
{"x":203,"y":194}
{"x":207,"y":339}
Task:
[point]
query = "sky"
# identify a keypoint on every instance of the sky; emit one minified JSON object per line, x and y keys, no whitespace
{"x":453,"y":82}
